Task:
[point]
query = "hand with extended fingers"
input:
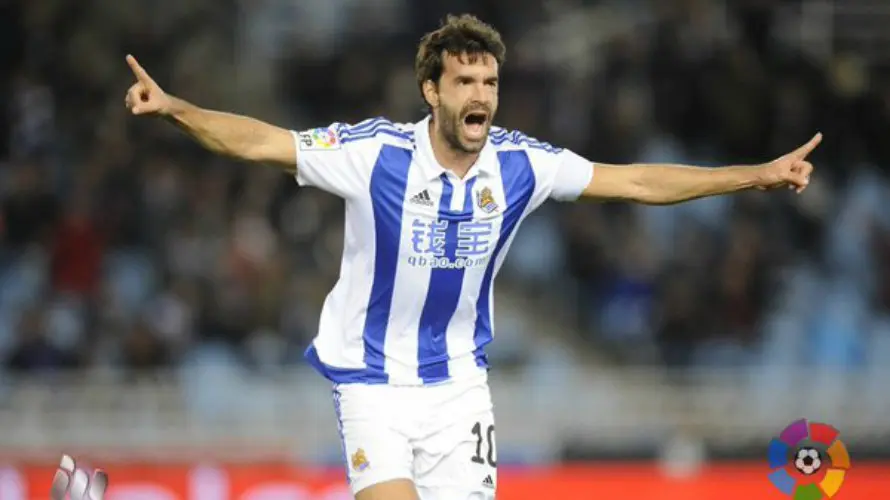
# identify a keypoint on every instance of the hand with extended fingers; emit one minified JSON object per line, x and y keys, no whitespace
{"x":76,"y":484}
{"x":145,"y":97}
{"x":792,"y":170}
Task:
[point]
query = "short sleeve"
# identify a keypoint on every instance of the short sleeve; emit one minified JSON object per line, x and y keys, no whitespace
{"x":573,"y":174}
{"x":560,"y":174}
{"x":324,"y":161}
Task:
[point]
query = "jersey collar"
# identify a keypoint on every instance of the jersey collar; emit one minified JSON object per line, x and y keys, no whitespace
{"x":485,"y":164}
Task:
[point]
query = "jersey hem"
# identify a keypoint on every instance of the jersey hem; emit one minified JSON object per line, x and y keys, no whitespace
{"x":341,"y":376}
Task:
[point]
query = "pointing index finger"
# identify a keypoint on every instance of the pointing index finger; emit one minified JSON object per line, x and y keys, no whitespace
{"x":140,"y":73}
{"x":808,"y":148}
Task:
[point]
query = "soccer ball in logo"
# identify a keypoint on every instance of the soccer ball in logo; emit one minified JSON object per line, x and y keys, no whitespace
{"x":808,"y":461}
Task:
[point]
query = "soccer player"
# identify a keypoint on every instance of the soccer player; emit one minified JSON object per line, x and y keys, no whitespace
{"x":431,"y":209}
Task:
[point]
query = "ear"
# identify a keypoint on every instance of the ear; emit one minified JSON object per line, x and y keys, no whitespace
{"x":431,"y":93}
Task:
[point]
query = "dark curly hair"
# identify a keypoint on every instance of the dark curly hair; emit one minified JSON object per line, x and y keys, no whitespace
{"x":458,"y":36}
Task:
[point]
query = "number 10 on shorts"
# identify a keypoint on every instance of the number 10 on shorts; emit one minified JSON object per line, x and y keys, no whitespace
{"x":485,"y":447}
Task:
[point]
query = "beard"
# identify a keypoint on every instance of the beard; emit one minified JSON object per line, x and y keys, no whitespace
{"x":451,"y":121}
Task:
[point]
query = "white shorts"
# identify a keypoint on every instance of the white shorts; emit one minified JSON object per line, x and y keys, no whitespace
{"x":439,"y":436}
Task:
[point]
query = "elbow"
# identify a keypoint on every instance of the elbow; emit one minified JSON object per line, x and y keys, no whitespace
{"x":258,"y":150}
{"x":653,"y":188}
{"x":633,"y":183}
{"x":656,"y":197}
{"x":645,"y":191}
{"x":252,"y":153}
{"x":660,"y":198}
{"x":273,"y":146}
{"x":656,"y":201}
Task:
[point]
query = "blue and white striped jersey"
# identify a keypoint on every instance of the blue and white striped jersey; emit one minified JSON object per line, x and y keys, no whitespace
{"x":422,"y":247}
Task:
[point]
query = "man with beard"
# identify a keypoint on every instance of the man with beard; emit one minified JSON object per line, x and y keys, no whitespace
{"x":431,"y":208}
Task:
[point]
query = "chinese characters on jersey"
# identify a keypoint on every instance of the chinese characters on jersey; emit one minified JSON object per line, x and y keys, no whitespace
{"x":470,"y":243}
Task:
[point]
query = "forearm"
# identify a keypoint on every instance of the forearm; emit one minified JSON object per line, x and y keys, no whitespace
{"x":665,"y":184}
{"x":231,"y":135}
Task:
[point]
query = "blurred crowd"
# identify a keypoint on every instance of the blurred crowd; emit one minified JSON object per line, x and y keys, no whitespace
{"x":122,"y":244}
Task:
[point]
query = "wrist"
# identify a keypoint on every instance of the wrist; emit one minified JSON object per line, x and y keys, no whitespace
{"x":761,"y":175}
{"x":173,"y":108}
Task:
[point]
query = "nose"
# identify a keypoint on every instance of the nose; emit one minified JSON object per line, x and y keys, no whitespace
{"x":479,"y":94}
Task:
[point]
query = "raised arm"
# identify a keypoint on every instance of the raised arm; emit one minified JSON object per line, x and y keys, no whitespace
{"x":662,"y":184}
{"x":227,"y":134}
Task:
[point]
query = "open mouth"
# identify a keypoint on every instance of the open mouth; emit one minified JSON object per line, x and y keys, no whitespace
{"x":476,"y":118}
{"x":474,"y":123}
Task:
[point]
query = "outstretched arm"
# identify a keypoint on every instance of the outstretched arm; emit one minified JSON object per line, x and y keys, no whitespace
{"x":227,"y":134}
{"x":661,"y":184}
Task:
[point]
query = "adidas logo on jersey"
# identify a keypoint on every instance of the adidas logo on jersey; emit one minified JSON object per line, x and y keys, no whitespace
{"x":422,"y":198}
{"x":488,"y":482}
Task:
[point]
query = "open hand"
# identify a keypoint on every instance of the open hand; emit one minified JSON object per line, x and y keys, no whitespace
{"x":792,"y":170}
{"x":76,"y":484}
{"x":145,"y":97}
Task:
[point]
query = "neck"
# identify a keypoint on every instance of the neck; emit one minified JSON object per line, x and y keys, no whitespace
{"x":447,"y":155}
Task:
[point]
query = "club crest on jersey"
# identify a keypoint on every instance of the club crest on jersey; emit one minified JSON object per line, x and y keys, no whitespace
{"x":359,"y":461}
{"x":319,"y":139}
{"x":485,"y":200}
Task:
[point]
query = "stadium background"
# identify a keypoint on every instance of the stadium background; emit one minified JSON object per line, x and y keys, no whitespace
{"x":155,"y":300}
